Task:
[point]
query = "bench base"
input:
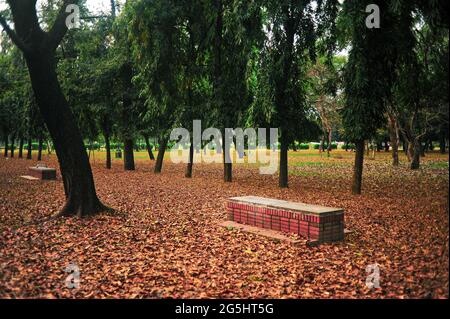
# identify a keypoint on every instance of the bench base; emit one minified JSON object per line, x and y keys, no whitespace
{"x":271,"y":234}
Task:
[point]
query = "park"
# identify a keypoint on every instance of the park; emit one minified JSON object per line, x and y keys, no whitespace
{"x":224,"y":150}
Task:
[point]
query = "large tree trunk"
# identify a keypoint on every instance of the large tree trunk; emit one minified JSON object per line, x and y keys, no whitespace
{"x":108,"y":151}
{"x":358,"y":168}
{"x":160,"y":159}
{"x":30,"y":148}
{"x":21,"y":142}
{"x":128,"y":155}
{"x":41,"y":141}
{"x":149,"y":148}
{"x":190,"y":164}
{"x":283,"y":177}
{"x":81,"y":197}
{"x":394,"y":137}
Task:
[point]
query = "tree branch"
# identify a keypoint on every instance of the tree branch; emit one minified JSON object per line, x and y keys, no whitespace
{"x":13,"y":36}
{"x":59,"y":28}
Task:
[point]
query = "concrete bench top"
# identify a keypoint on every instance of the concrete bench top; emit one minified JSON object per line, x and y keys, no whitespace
{"x":283,"y":204}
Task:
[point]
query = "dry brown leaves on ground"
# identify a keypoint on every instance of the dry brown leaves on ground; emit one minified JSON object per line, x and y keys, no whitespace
{"x":164,"y":241}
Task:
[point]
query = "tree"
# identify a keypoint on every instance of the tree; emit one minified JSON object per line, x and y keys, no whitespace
{"x":421,"y":95}
{"x":369,"y":76}
{"x":156,"y":40}
{"x":39,"y":49}
{"x":236,"y":31}
{"x":326,"y":94}
{"x":289,"y":46}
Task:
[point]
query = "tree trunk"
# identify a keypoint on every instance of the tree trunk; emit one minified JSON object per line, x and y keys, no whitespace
{"x":394,"y":137}
{"x":379,"y":146}
{"x":227,"y":171}
{"x":330,"y":146}
{"x":5,"y":154}
{"x":128,"y":159}
{"x":227,"y":167}
{"x":373,"y":150}
{"x":40,"y":148}
{"x":30,"y":148}
{"x":358,"y":168}
{"x":442,"y":143}
{"x":108,"y":151}
{"x":423,"y":147}
{"x":410,"y":151}
{"x":283,"y":177}
{"x":13,"y":146}
{"x":81,"y":197}
{"x":49,"y":148}
{"x":160,"y":158}
{"x":149,"y":148}
{"x":416,"y":151}
{"x":190,"y":164}
{"x":21,"y":141}
{"x":294,"y":148}
{"x":322,"y":143}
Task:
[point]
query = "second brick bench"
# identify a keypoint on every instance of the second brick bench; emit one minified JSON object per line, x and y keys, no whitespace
{"x":42,"y":172}
{"x":316,"y":223}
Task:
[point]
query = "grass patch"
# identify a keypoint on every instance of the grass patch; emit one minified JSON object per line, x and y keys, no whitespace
{"x":437,"y":165}
{"x":318,"y":164}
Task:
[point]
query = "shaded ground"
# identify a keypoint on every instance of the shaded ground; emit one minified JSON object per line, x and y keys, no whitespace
{"x":164,"y":242}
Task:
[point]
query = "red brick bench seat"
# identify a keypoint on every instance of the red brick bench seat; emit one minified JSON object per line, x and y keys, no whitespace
{"x":316,"y":223}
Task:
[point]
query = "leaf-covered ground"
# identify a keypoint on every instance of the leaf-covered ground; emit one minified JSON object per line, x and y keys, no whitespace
{"x":164,"y":241}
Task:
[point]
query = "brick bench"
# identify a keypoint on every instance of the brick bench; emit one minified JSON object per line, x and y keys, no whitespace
{"x":316,"y":223}
{"x":43,"y":173}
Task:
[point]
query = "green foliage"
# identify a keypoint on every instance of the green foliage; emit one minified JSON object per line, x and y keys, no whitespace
{"x":160,"y":64}
{"x":369,"y":73}
{"x":303,"y":146}
{"x":34,"y":146}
